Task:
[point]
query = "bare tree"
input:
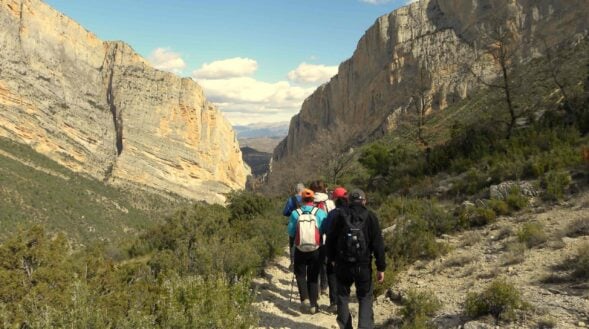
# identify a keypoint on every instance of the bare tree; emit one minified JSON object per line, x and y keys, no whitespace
{"x":420,"y":100}
{"x":500,"y":43}
{"x":337,"y":165}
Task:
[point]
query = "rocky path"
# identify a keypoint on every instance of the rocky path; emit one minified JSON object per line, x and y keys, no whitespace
{"x":278,"y":302}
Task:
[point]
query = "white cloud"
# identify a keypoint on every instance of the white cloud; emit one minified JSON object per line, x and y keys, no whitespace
{"x":410,"y":1}
{"x":311,"y":73}
{"x":245,"y":99}
{"x":227,"y":68}
{"x":167,"y":60}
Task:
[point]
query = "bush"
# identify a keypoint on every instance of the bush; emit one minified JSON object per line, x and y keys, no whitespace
{"x":500,"y":207}
{"x":436,"y":218}
{"x":412,"y":240}
{"x":500,"y":299}
{"x":577,"y":228}
{"x":532,"y":234}
{"x":471,"y":216}
{"x":247,"y":205}
{"x":418,"y":308}
{"x":516,"y":200}
{"x":581,"y":263}
{"x":555,"y":184}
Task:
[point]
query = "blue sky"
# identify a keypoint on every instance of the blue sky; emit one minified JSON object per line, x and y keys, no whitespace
{"x":257,"y":60}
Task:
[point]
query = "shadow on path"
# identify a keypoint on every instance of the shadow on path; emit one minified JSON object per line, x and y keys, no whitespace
{"x":269,"y":320}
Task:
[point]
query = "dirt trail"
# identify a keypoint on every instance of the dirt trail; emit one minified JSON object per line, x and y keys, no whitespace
{"x":279,"y":308}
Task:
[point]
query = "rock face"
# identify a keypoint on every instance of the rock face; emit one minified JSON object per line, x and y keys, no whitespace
{"x":439,"y":37}
{"x":98,"y":107}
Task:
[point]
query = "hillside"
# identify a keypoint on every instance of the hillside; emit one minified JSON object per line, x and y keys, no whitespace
{"x":36,"y":190}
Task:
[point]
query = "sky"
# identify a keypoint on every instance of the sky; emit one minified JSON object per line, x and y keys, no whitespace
{"x":256,"y":60}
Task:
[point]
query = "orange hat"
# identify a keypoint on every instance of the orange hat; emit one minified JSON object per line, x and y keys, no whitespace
{"x":339,"y":193}
{"x":308,"y":193}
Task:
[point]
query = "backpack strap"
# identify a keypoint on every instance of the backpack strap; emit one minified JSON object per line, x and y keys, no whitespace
{"x":299,"y":211}
{"x":295,"y":201}
{"x":314,"y":211}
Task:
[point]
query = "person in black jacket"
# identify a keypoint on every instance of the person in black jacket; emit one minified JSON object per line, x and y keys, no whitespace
{"x":354,"y":238}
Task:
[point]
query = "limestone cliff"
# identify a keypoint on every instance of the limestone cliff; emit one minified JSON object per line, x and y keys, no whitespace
{"x":98,"y":107}
{"x":439,"y":36}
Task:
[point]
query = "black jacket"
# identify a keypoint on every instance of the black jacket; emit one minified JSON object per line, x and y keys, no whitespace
{"x":372,"y":234}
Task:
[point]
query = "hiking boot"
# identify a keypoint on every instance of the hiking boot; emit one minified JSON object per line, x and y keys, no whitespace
{"x":313,"y":309}
{"x":305,"y":306}
{"x":332,"y":308}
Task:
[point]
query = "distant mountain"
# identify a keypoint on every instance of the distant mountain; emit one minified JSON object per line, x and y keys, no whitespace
{"x":264,"y":129}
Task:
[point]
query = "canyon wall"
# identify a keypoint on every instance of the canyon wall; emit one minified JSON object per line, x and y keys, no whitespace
{"x":440,"y":37}
{"x":99,"y":108}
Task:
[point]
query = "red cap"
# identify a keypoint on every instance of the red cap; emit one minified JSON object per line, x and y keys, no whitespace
{"x":339,"y":193}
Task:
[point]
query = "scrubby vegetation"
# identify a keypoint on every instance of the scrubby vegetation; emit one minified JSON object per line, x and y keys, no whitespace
{"x":532,"y":234}
{"x":35,"y":189}
{"x":192,"y":271}
{"x":418,"y":308}
{"x":500,"y":299}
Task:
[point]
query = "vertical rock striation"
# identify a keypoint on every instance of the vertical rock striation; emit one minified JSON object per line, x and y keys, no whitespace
{"x":99,"y":108}
{"x":440,"y":36}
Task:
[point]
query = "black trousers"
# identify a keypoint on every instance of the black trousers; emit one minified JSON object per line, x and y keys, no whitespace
{"x":332,"y":281}
{"x":306,"y":269}
{"x":361,"y":277}
{"x":323,"y":279}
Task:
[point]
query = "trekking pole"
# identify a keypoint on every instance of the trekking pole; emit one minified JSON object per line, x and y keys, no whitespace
{"x":291,"y":288}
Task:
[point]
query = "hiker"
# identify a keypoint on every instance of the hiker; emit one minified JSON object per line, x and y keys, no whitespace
{"x":293,"y":202}
{"x":322,"y":201}
{"x":340,"y":199}
{"x":354,"y":238}
{"x":304,"y":228}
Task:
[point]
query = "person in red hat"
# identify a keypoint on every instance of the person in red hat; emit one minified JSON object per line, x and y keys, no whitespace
{"x":340,"y":198}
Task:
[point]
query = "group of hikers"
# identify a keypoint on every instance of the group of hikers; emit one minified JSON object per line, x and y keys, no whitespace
{"x":332,"y":241}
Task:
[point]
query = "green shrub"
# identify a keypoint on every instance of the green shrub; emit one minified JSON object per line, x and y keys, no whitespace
{"x":516,"y":200}
{"x":418,"y":308}
{"x":581,"y":263}
{"x":532,"y":234}
{"x":436,"y":218}
{"x":247,"y":205}
{"x":546,"y":323}
{"x":579,"y":227}
{"x":500,"y":299}
{"x":500,"y":207}
{"x":555,"y":184}
{"x":471,"y":216}
{"x":411,"y":240}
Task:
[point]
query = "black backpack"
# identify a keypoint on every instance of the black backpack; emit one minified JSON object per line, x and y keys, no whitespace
{"x":352,"y":244}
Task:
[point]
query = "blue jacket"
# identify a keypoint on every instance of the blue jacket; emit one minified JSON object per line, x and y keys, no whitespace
{"x":290,"y":205}
{"x":294,"y":217}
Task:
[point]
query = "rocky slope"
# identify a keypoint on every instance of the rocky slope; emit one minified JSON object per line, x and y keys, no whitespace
{"x":437,"y":38}
{"x":480,"y":256}
{"x":99,"y":108}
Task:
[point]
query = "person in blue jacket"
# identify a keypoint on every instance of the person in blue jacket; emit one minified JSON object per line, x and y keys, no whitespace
{"x":307,"y":263}
{"x":294,"y":201}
